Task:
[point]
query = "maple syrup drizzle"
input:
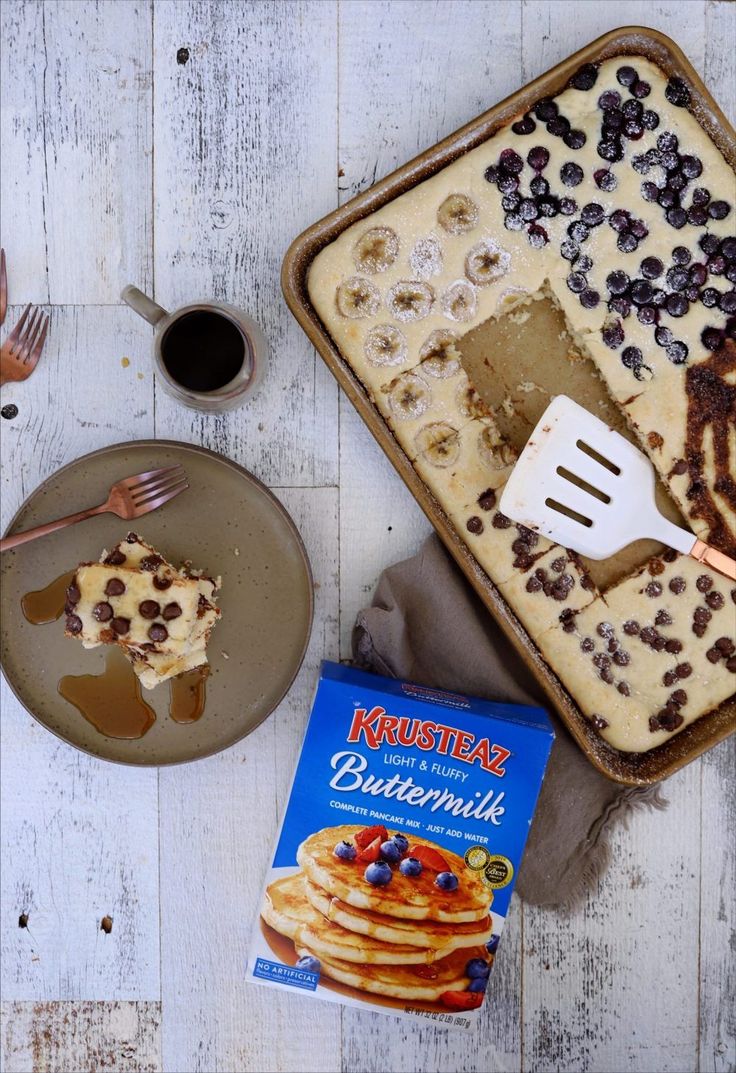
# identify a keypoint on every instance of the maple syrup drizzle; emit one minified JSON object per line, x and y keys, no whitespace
{"x":46,"y":605}
{"x":188,"y":695}
{"x":111,"y":701}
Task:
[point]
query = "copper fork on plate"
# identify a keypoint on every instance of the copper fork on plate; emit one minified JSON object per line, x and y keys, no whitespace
{"x":130,"y":498}
{"x":20,"y":352}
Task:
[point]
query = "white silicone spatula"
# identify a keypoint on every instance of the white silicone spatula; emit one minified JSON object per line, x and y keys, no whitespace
{"x":584,"y":486}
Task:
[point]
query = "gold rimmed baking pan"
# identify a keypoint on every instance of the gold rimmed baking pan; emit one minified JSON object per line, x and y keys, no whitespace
{"x":631,"y":768}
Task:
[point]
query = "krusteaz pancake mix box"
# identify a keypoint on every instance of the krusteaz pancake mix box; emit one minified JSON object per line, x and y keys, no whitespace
{"x":398,"y":852}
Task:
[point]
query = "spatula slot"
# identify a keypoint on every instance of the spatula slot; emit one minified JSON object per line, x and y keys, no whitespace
{"x":581,"y":483}
{"x":600,"y":459}
{"x":568,"y":512}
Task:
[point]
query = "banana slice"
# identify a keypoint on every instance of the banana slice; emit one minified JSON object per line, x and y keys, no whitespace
{"x":470,"y":403}
{"x":486,"y":263}
{"x":385,"y":345}
{"x":376,"y":250}
{"x":438,"y":355}
{"x":439,"y":444}
{"x":410,"y":299}
{"x":426,"y":258}
{"x":457,"y":214}
{"x":493,"y":448}
{"x":409,"y":396}
{"x":459,"y":301}
{"x":358,"y":298}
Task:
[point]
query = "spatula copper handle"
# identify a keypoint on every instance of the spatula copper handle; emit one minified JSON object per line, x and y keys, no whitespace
{"x":724,"y":564}
{"x":50,"y":527}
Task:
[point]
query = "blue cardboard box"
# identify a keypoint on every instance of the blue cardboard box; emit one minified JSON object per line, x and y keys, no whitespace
{"x":397,"y":855}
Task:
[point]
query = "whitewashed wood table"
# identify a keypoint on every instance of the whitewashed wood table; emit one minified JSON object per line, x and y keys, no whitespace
{"x":181,"y":146}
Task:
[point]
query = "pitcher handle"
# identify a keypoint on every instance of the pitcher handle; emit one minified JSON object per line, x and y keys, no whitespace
{"x":143,"y":305}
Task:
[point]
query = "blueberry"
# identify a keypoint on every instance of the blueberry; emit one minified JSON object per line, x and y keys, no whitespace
{"x":649,"y":191}
{"x":651,"y":267}
{"x":309,"y":963}
{"x":410,"y":866}
{"x":677,"y":352}
{"x":608,"y":100}
{"x":709,"y":244}
{"x":677,"y":305}
{"x":390,"y":851}
{"x":511,"y":202}
{"x":677,"y":217}
{"x":718,"y":210}
{"x":667,"y":141}
{"x":676,"y":181}
{"x":646,"y":315}
{"x":730,"y":272}
{"x":641,"y":164}
{"x":479,"y":984}
{"x":619,"y":220}
{"x":545,"y":110}
{"x":585,"y":77}
{"x":507,"y":183}
{"x":538,"y":157}
{"x":537,"y":236}
{"x":589,"y":299}
{"x":633,"y":130}
{"x":613,"y":123}
{"x":571,"y":174}
{"x":605,"y":179}
{"x":568,"y":206}
{"x":513,"y":222}
{"x":728,"y":248}
{"x":717,"y":265}
{"x":548,"y":206}
{"x":610,"y":150}
{"x":592,"y":214}
{"x":559,"y":126}
{"x":402,"y":842}
{"x":477,"y":968}
{"x":510,"y":161}
{"x":524,"y":126}
{"x":641,"y":89}
{"x":617,"y":282}
{"x":727,"y":303}
{"x":681,"y":255}
{"x":378,"y":874}
{"x":692,"y":292}
{"x":627,"y":242}
{"x":701,"y":195}
{"x":346,"y":851}
{"x":575,"y":139}
{"x":663,"y":336}
{"x":620,"y":305}
{"x":711,"y":339}
{"x":638,"y":228}
{"x":491,"y":174}
{"x":667,"y":198}
{"x":677,"y":93}
{"x":613,"y":334}
{"x":576,"y":282}
{"x":578,"y":231}
{"x":697,"y":215}
{"x":691,"y":167}
{"x":570,"y":250}
{"x":584,"y":263}
{"x":677,"y":278}
{"x":633,"y":109}
{"x":446,"y":881}
{"x":492,"y":944}
{"x":659,"y":297}
{"x":650,"y":119}
{"x":641,"y":292}
{"x":626,"y":76}
{"x":539,"y":186}
{"x":631,"y":357}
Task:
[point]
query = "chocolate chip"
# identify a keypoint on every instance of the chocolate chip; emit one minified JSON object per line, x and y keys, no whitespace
{"x":680,"y":467}
{"x":715,"y":600}
{"x":673,"y":646}
{"x":115,"y":587}
{"x":613,"y":645}
{"x":601,"y":660}
{"x":161,"y":583}
{"x":726,"y":646}
{"x":132,"y":538}
{"x":701,"y":615}
{"x":670,"y":555}
{"x":73,"y":624}
{"x":679,"y":698}
{"x":533,"y":585}
{"x":714,"y":654}
{"x":587,"y":644}
{"x":72,"y":593}
{"x":659,"y":643}
{"x":102,"y":612}
{"x":115,"y":558}
{"x":656,"y":566}
{"x":699,"y":630}
{"x":528,"y":535}
{"x":149,"y":609}
{"x":653,"y":589}
{"x":631,"y":627}
{"x":663,"y":618}
{"x":669,"y":718}
{"x":523,"y":561}
{"x":621,"y":658}
{"x":599,"y":722}
{"x":500,"y":521}
{"x":653,"y":723}
{"x":624,"y":689}
{"x":677,"y":585}
{"x":151,"y":563}
{"x":559,"y":564}
{"x":731,"y":664}
{"x":568,"y":624}
{"x":606,"y":675}
{"x":648,"y":635}
{"x":604,"y":629}
{"x":683,"y":670}
{"x":520,"y":546}
{"x":487,"y":500}
{"x":171,"y":611}
{"x":120,"y":625}
{"x":158,"y":632}
{"x":562,"y":587}
{"x":704,"y":583}
{"x":669,"y":678}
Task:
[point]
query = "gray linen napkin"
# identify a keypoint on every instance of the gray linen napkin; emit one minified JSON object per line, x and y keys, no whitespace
{"x":428,"y":626}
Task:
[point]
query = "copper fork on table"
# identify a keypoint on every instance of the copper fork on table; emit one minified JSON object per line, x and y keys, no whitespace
{"x":3,"y":287}
{"x":130,"y":498}
{"x":20,"y":352}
